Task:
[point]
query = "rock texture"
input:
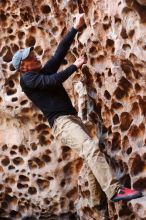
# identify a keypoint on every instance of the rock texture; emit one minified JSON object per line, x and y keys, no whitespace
{"x":39,"y":178}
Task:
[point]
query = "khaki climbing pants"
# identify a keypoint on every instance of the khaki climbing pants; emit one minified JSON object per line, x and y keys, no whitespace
{"x":70,"y":131}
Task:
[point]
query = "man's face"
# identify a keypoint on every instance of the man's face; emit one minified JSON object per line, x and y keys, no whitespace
{"x":31,"y":63}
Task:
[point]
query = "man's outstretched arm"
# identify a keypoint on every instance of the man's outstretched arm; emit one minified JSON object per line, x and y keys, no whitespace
{"x":33,"y":80}
{"x":54,"y":63}
{"x":42,"y":81}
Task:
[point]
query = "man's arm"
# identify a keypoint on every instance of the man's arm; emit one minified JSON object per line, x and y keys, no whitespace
{"x":54,"y":63}
{"x":41,"y":81}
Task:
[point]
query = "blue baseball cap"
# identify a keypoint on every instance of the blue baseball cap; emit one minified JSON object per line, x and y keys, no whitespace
{"x":19,"y":56}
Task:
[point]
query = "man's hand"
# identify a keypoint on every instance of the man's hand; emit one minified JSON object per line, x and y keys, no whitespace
{"x":80,"y":61}
{"x":79,"y":22}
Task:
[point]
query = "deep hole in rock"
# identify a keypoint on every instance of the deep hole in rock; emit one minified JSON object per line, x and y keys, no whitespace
{"x":129,"y":150}
{"x":21,"y":34}
{"x":26,"y":14}
{"x":126,"y":46}
{"x":54,"y":30}
{"x":45,"y":9}
{"x":14,"y":99}
{"x":3,"y":3}
{"x":144,"y":156}
{"x":32,"y":190}
{"x":4,"y":205}
{"x":135,"y":111}
{"x":126,"y":181}
{"x":124,"y":211}
{"x":126,"y":120}
{"x":136,"y":164}
{"x":30,"y":41}
{"x":109,"y":72}
{"x":23,"y":102}
{"x":137,"y":87}
{"x":46,"y":158}
{"x":124,"y":33}
{"x":15,"y":214}
{"x":23,"y":178}
{"x":42,"y":140}
{"x":41,"y":127}
{"x":22,"y":186}
{"x":136,"y":74}
{"x":98,"y":79}
{"x":43,"y":184}
{"x":107,"y":95}
{"x":33,"y":146}
{"x":126,"y":10}
{"x":116,"y":105}
{"x":5,"y":161}
{"x":39,"y":162}
{"x":14,"y":147}
{"x":109,"y":42}
{"x":142,"y":104}
{"x":140,"y":184}
{"x":11,"y":167}
{"x":3,"y":17}
{"x":125,"y":84}
{"x":140,"y":7}
{"x":116,"y":119}
{"x":18,"y":161}
{"x":116,"y":141}
{"x":37,"y":18}
{"x":131,"y":33}
{"x":11,"y":92}
{"x":39,"y":50}
{"x":62,"y":183}
{"x":13,"y":152}
{"x":11,"y":83}
{"x":134,"y":131}
{"x":72,"y":193}
{"x":117,"y":19}
{"x":106,"y":26}
{"x":93,"y":50}
{"x":8,"y":56}
{"x":12,"y":37}
{"x":4,"y":147}
{"x":126,"y":66}
{"x":66,"y":152}
{"x":120,"y":93}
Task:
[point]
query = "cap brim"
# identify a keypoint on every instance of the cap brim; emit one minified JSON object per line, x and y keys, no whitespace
{"x":26,"y":52}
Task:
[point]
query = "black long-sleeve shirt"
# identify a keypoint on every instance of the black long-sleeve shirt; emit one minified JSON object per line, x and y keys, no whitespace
{"x":45,"y":89}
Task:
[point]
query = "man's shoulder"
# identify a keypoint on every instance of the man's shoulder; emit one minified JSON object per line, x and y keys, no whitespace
{"x":26,"y":77}
{"x":29,"y":73}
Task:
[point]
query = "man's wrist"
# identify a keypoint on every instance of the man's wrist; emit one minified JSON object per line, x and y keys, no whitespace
{"x":76,"y":28}
{"x":75,"y":66}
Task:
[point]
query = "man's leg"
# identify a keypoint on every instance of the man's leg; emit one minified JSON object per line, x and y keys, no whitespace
{"x":96,"y":194}
{"x":70,"y":130}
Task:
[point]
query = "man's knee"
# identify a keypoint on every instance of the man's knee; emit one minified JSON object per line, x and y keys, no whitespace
{"x":90,"y":148}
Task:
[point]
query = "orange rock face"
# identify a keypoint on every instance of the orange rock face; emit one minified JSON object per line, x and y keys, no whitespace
{"x":40,"y":178}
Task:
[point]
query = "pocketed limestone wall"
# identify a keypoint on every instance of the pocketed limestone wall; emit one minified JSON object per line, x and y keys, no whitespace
{"x":40,"y":178}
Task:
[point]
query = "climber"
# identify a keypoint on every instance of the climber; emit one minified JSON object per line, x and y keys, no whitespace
{"x":43,"y":86}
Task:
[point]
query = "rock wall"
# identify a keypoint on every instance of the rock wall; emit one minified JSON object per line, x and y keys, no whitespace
{"x":39,"y":177}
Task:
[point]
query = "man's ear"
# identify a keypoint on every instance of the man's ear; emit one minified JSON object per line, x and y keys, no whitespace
{"x":20,"y":68}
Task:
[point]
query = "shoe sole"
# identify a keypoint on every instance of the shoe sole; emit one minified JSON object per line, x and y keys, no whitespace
{"x":136,"y":196}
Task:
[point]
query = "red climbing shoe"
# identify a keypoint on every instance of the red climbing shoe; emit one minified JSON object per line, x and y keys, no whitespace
{"x":126,"y":194}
